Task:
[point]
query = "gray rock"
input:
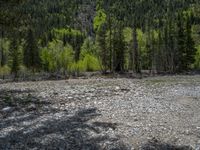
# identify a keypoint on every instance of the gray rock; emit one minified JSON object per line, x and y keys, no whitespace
{"x":32,"y":107}
{"x":197,"y":147}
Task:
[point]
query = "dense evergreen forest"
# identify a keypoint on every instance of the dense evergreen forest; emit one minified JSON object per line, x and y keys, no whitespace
{"x":74,"y":36}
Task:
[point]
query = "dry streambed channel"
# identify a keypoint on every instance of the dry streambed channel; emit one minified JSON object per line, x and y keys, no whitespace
{"x":160,"y":113}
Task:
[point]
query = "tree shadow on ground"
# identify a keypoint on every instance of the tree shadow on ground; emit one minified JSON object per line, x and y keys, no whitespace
{"x":155,"y":144}
{"x":15,"y":97}
{"x":19,"y":98}
{"x":58,"y":130}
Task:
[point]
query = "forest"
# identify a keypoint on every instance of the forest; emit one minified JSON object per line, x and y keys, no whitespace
{"x":111,"y":36}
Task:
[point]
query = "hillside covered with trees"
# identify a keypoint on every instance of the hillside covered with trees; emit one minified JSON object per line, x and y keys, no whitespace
{"x":74,"y":36}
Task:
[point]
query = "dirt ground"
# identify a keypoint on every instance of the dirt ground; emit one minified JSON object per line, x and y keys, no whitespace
{"x":160,"y":113}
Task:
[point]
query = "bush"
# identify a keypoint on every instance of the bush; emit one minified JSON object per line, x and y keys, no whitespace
{"x":89,"y":55}
{"x":23,"y":70}
{"x":77,"y":67}
{"x":197,"y":58}
{"x":5,"y":70}
{"x":91,"y":63}
{"x":56,"y":56}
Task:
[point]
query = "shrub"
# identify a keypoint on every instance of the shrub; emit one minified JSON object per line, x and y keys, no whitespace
{"x":76,"y":67}
{"x":5,"y":70}
{"x":91,"y":63}
{"x":56,"y":56}
{"x":197,"y":58}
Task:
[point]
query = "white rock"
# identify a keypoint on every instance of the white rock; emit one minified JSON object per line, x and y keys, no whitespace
{"x":88,"y":98}
{"x":70,"y":97}
{"x":7,"y":109}
{"x":117,"y":88}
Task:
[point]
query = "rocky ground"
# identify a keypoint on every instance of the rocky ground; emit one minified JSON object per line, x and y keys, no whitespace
{"x":161,"y":113}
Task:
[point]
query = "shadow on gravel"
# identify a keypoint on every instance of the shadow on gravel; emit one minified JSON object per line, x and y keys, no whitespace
{"x":19,"y":99}
{"x":155,"y":144}
{"x":58,"y":131}
{"x":16,"y":97}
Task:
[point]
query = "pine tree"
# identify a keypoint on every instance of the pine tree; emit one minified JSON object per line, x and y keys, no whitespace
{"x":119,"y":50}
{"x":77,"y":42}
{"x":172,"y":51}
{"x":103,"y":53}
{"x":15,"y":57}
{"x":31,"y":52}
{"x":190,"y":44}
{"x":160,"y":56}
{"x":3,"y":58}
{"x":186,"y":45}
{"x":136,"y":55}
{"x":180,"y":44}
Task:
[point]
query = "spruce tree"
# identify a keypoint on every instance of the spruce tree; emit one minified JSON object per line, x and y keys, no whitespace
{"x":31,"y":52}
{"x":181,"y":49}
{"x":190,"y":44}
{"x":119,"y":50}
{"x":103,"y":53}
{"x":136,"y":54}
{"x":15,"y":57}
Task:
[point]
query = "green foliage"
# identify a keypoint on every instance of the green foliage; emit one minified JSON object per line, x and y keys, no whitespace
{"x":31,"y":52}
{"x":4,"y":51}
{"x":88,"y":47}
{"x":186,"y":44}
{"x":89,"y":55}
{"x":15,"y":56}
{"x":196,"y":35}
{"x":60,"y":33}
{"x":119,"y":50}
{"x":99,"y":19}
{"x":5,"y":70}
{"x":197,"y":58}
{"x":128,"y":34}
{"x":91,"y":63}
{"x":88,"y":63}
{"x":80,"y":37}
{"x":45,"y":58}
{"x":11,"y":17}
{"x":70,"y":36}
{"x":23,"y":70}
{"x":190,"y":44}
{"x":77,"y":67}
{"x":142,"y":48}
{"x":56,"y":56}
{"x":128,"y":39}
{"x":66,"y":57}
{"x":103,"y":53}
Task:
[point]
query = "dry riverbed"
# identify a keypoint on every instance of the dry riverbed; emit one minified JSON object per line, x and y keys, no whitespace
{"x":161,"y":113}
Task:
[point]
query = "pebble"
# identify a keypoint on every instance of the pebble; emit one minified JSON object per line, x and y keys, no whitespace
{"x":197,"y":147}
{"x":70,"y":97}
{"x":32,"y":107}
{"x":117,"y":88}
{"x":7,"y":109}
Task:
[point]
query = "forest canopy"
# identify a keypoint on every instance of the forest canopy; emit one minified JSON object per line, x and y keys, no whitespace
{"x":73,"y":36}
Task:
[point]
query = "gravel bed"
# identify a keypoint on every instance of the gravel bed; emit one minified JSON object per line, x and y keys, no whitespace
{"x":160,"y":113}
